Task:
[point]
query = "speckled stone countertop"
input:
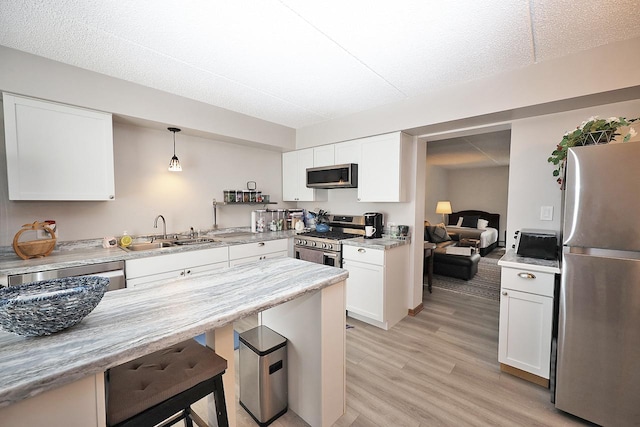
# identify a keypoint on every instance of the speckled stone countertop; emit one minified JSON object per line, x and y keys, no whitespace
{"x":382,"y":243}
{"x":511,"y":259}
{"x":131,"y":322}
{"x":85,"y":252}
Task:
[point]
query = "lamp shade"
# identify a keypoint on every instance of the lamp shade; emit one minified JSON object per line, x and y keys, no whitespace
{"x":444,"y":207}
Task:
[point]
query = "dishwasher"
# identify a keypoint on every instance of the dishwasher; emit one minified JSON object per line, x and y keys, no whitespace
{"x":113,"y":270}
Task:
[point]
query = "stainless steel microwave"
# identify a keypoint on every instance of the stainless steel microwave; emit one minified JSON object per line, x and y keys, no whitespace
{"x":337,"y":176}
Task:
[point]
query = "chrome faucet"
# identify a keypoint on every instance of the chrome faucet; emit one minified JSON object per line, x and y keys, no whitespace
{"x":164,"y":226}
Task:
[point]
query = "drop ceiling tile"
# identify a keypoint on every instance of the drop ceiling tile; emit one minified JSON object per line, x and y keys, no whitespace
{"x":421,"y":45}
{"x":562,"y":27}
{"x":298,"y":62}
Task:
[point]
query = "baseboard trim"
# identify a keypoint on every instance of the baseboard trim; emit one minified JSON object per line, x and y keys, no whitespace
{"x":414,"y":311}
{"x":528,"y":376}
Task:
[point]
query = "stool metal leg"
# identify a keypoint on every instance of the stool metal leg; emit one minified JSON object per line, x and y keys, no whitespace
{"x":221,"y":405}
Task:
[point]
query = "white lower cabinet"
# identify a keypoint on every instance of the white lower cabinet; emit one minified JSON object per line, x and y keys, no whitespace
{"x":249,"y":252}
{"x":526,"y":317}
{"x":376,"y":287}
{"x":145,"y":270}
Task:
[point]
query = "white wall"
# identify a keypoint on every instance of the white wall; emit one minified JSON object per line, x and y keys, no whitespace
{"x":436,"y":189}
{"x":31,"y":75}
{"x":484,"y":189}
{"x":531,"y":184}
{"x":145,"y":188}
{"x":596,"y":71}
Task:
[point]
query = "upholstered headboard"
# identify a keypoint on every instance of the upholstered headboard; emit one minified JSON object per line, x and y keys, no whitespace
{"x":494,"y":219}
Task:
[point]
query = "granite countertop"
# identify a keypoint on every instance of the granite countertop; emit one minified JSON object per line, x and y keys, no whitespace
{"x":511,"y":259}
{"x":382,"y":243}
{"x":85,"y":252}
{"x":131,"y":322}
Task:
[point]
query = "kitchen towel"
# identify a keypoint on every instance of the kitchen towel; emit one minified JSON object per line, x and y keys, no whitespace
{"x":311,"y":255}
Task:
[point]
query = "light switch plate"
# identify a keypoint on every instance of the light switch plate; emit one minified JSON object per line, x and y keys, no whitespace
{"x":546,"y":213}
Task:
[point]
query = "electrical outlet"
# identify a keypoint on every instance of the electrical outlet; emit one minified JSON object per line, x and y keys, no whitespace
{"x":546,"y":213}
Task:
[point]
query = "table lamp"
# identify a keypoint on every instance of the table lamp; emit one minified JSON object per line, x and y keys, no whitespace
{"x":444,"y":208}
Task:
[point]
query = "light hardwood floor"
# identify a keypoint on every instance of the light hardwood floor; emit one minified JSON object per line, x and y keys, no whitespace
{"x":438,"y":368}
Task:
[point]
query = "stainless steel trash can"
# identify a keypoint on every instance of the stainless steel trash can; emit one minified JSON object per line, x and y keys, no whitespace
{"x":263,"y":374}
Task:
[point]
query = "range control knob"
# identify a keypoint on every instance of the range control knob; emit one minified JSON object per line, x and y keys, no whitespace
{"x":313,"y":244}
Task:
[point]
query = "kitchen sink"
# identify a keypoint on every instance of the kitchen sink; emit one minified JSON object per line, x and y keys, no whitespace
{"x":159,"y":244}
{"x":148,"y":245}
{"x":194,"y":241}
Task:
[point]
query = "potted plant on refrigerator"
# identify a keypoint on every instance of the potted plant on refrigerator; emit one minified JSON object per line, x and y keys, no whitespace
{"x":593,"y":131}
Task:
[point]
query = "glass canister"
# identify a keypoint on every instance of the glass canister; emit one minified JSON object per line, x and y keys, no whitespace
{"x":252,"y":196}
{"x":238,"y":196}
{"x":230,"y":196}
{"x":261,"y":220}
{"x":245,"y":196}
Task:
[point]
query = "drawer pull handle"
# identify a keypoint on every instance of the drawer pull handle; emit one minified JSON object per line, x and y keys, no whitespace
{"x":527,"y":275}
{"x":505,"y":293}
{"x":261,"y":244}
{"x":361,"y":250}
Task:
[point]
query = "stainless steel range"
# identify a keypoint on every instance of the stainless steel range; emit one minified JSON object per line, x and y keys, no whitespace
{"x":326,"y":248}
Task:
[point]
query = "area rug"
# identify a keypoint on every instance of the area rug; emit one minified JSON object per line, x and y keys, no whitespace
{"x":485,"y":284}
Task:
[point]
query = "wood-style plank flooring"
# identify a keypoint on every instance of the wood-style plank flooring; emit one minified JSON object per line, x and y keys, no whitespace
{"x":438,"y":368}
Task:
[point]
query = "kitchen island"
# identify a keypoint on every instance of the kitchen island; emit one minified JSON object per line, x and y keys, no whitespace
{"x":302,"y":301}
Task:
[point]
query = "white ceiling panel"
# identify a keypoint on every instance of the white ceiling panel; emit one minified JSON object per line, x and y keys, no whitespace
{"x":562,"y":27}
{"x":418,"y":45}
{"x":474,"y":151}
{"x":299,"y":62}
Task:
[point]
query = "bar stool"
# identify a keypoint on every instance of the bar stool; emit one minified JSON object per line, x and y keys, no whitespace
{"x":161,"y":387}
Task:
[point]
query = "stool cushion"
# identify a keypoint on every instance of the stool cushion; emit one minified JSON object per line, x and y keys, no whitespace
{"x":144,"y":382}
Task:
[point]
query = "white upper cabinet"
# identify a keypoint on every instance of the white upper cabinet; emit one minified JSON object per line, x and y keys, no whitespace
{"x":348,"y":152}
{"x":382,"y":169}
{"x":323,"y":156}
{"x":294,"y":177}
{"x":57,"y":152}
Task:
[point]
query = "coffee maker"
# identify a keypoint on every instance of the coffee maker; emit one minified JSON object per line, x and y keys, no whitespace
{"x":373,"y":225}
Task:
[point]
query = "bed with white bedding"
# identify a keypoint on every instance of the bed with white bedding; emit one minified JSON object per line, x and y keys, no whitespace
{"x":473,"y":224}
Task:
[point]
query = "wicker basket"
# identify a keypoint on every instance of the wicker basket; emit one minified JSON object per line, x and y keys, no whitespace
{"x":34,"y":248}
{"x":48,"y":306}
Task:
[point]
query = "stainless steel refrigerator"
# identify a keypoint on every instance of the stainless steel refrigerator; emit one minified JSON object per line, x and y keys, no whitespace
{"x":598,"y":353}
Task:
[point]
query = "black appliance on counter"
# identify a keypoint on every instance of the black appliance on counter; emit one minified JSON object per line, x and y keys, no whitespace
{"x":541,"y":244}
{"x":375,"y":220}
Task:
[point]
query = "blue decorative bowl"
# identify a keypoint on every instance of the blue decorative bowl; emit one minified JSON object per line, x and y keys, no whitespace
{"x":322,"y":228}
{"x":49,"y":306}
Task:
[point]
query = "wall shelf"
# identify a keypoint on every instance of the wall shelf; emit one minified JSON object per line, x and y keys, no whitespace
{"x":247,"y":203}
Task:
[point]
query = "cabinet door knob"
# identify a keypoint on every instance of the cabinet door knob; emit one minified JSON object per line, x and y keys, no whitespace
{"x":505,"y":293}
{"x":182,"y":273}
{"x":361,"y":250}
{"x":526,"y":275}
{"x":261,"y":244}
{"x":188,"y":271}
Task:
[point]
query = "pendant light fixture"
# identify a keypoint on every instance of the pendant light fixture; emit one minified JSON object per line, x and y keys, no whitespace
{"x":174,"y":165}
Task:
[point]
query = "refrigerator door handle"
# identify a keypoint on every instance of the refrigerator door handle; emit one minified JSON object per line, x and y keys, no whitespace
{"x":527,"y":275}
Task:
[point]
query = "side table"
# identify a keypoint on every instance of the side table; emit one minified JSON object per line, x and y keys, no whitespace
{"x":429,"y":249}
